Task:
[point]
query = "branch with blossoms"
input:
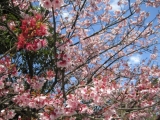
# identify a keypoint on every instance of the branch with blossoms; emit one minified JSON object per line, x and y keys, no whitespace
{"x":70,"y":60}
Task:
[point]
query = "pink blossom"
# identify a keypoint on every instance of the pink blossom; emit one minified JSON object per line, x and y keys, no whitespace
{"x":1,"y":84}
{"x":12,"y":25}
{"x":44,"y":116}
{"x":32,"y":22}
{"x":46,"y":4}
{"x":39,"y":44}
{"x":62,"y":63}
{"x":42,"y":30}
{"x":21,"y":42}
{"x":30,"y":47}
{"x":9,"y":114}
{"x":50,"y":74}
{"x":153,"y":56}
{"x":57,"y":4}
{"x":44,"y":43}
{"x":38,"y":17}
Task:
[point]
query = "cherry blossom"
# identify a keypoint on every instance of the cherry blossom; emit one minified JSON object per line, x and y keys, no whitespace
{"x":55,"y":67}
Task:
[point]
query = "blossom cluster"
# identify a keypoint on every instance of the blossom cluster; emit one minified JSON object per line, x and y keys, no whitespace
{"x":7,"y":114}
{"x":63,"y":57}
{"x":32,"y":28}
{"x":48,"y":4}
{"x":64,"y":60}
{"x":6,"y":67}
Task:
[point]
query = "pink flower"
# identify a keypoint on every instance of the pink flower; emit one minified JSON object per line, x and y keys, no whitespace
{"x":38,"y":17}
{"x":153,"y":56}
{"x":39,"y":44}
{"x":19,"y":118}
{"x":30,"y":47}
{"x":62,"y":63}
{"x":32,"y":104}
{"x":47,"y":4}
{"x":32,"y":22}
{"x":11,"y":25}
{"x":2,"y":68}
{"x":44,"y":116}
{"x":10,"y":114}
{"x":43,"y":29}
{"x":24,"y":25}
{"x":21,"y":42}
{"x":66,"y":57}
{"x":57,"y":4}
{"x":1,"y":84}
{"x":50,"y":74}
{"x":36,"y":45}
{"x":44,"y":43}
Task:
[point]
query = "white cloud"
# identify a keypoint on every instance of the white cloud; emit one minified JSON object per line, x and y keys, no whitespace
{"x":136,"y":59}
{"x":115,"y":5}
{"x":65,"y":14}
